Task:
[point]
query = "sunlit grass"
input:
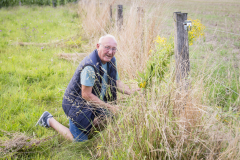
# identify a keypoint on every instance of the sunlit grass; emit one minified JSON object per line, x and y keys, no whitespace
{"x":32,"y":77}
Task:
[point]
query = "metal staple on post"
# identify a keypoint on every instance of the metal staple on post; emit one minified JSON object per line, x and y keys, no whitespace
{"x":181,"y":49}
{"x":120,"y":17}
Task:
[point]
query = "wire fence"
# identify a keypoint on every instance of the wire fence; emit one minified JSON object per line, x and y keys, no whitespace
{"x":217,"y":30}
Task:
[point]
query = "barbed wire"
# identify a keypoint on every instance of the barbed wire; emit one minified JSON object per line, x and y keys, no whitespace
{"x":210,"y":28}
{"x":222,"y":31}
{"x":222,"y":82}
{"x":226,"y":87}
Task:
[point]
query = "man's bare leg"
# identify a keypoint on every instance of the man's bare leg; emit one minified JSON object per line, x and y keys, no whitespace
{"x":61,"y":129}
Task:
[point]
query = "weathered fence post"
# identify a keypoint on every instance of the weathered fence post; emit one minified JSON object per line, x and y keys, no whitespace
{"x":140,"y":16}
{"x":110,"y":12}
{"x":20,"y":4}
{"x":181,"y":49}
{"x":140,"y":30}
{"x":120,"y":17}
{"x":54,"y":3}
{"x":140,"y":13}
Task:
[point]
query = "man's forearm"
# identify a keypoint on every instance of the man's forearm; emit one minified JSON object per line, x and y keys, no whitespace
{"x":123,"y":88}
{"x":91,"y":98}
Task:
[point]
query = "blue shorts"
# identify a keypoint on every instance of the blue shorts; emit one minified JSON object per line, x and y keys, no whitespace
{"x":78,"y":135}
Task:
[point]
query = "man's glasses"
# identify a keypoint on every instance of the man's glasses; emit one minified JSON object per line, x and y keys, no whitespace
{"x":108,"y":48}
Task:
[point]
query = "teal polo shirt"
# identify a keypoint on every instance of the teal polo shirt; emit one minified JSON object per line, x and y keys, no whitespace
{"x":88,"y":78}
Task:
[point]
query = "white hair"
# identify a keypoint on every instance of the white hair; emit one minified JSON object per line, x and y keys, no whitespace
{"x":105,"y":36}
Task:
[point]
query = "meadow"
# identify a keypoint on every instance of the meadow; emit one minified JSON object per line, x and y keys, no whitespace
{"x":33,"y":78}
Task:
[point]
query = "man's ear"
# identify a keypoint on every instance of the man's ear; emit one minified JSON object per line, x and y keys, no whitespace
{"x":98,"y":45}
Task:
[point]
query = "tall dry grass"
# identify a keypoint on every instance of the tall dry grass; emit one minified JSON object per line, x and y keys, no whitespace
{"x":165,"y":122}
{"x":135,"y":39}
{"x":170,"y":124}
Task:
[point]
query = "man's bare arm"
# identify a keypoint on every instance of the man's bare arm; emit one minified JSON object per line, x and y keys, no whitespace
{"x":90,"y":97}
{"x":123,"y":88}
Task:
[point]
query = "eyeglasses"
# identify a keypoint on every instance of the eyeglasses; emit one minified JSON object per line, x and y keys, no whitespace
{"x":109,"y":48}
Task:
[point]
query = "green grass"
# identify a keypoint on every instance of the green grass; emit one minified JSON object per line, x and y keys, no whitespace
{"x":32,"y":78}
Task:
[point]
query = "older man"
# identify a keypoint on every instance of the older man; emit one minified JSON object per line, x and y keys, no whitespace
{"x":93,"y":84}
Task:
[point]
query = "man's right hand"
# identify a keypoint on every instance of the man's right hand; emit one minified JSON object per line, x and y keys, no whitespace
{"x":113,"y":109}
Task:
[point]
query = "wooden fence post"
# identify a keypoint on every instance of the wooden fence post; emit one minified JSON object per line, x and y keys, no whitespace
{"x":54,"y":3}
{"x":140,"y":33}
{"x":110,"y":12}
{"x":120,"y":17}
{"x":181,"y":49}
{"x":140,"y":16}
{"x":140,"y":12}
{"x":20,"y":4}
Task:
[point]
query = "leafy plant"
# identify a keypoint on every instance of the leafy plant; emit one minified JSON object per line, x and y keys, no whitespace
{"x":164,"y":49}
{"x":159,"y":61}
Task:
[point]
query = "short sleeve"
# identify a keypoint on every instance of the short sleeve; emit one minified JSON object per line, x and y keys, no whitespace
{"x":117,"y":76}
{"x":88,"y":76}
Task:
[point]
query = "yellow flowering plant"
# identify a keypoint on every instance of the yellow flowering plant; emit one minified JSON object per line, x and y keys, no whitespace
{"x":159,"y":61}
{"x":196,"y":31}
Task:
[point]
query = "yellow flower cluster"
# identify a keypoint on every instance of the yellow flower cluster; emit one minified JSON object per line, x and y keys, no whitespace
{"x":142,"y":85}
{"x":196,"y":31}
{"x":164,"y":44}
{"x":160,"y":40}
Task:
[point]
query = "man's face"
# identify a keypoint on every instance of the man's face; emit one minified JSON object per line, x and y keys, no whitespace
{"x":104,"y":53}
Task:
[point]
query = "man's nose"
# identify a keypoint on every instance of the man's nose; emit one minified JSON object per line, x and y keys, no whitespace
{"x":110,"y":51}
